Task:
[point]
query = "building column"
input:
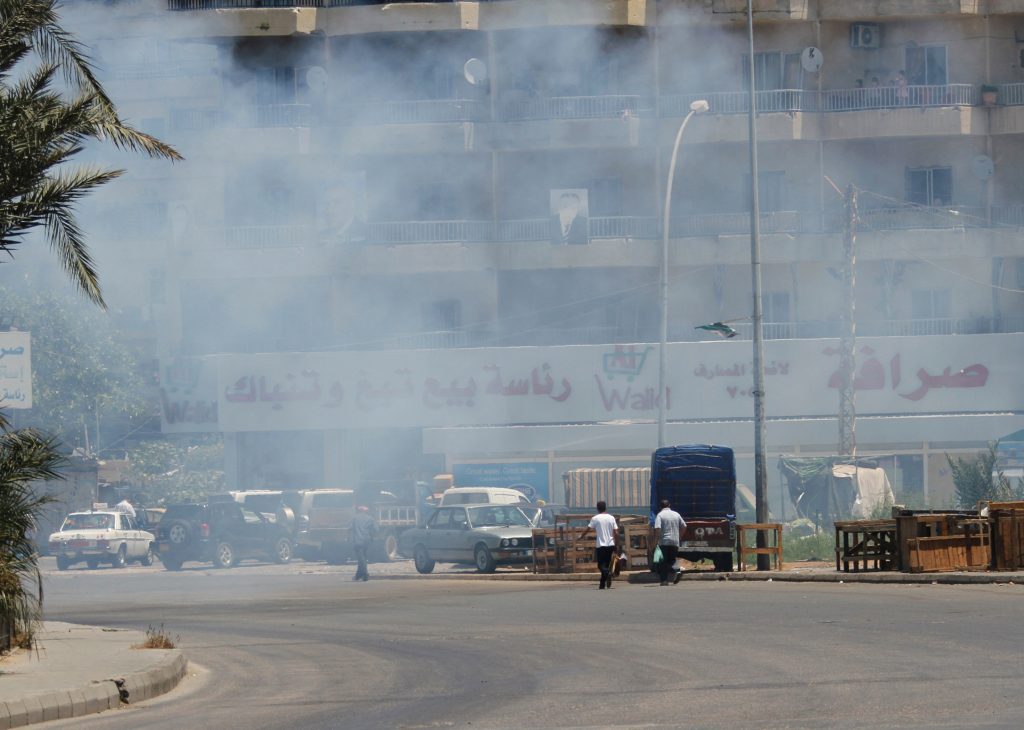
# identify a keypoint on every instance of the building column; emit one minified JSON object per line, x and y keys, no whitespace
{"x":342,"y":463}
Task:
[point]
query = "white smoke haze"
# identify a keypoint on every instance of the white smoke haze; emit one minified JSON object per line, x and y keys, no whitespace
{"x":284,"y":229}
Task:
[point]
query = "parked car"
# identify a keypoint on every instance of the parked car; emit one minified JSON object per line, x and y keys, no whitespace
{"x":543,"y":515}
{"x":482,"y":495}
{"x":149,"y":517}
{"x":100,"y":537}
{"x":481,"y":535}
{"x":220,"y":531}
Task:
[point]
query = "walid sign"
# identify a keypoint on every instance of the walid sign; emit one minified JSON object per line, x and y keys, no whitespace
{"x":593,"y":383}
{"x":15,"y":370}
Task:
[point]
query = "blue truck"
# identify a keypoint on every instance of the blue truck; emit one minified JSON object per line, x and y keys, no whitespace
{"x":699,"y":481}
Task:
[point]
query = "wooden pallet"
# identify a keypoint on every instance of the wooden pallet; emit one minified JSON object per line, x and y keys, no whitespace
{"x":863,"y":545}
{"x":561,"y":549}
{"x":1007,"y":535}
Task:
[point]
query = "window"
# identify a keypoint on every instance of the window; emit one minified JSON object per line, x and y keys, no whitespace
{"x":606,"y":195}
{"x":335,"y":500}
{"x":771,"y":190}
{"x":441,"y":519}
{"x":926,"y":66}
{"x":773,"y":70}
{"x":281,"y":85}
{"x":776,"y":306}
{"x":930,"y":186}
{"x":931,"y":304}
{"x":444,"y":315}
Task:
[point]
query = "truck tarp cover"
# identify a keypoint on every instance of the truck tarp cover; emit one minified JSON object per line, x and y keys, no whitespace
{"x":697,"y":479}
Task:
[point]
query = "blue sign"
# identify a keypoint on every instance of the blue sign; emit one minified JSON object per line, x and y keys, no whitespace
{"x":529,"y":477}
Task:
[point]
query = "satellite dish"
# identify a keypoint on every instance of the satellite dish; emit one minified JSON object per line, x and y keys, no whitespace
{"x":982,"y":167}
{"x":475,"y":71}
{"x":811,"y":59}
{"x":316,"y":79}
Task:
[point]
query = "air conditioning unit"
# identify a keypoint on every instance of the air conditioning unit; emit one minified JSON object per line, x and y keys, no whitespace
{"x":865,"y":35}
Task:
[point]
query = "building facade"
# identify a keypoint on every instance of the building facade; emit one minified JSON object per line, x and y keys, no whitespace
{"x":415,"y":237}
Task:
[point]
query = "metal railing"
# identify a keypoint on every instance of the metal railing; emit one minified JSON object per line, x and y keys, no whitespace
{"x":726,"y":224}
{"x":1011,"y":94}
{"x":575,"y":107}
{"x":196,"y":120}
{"x":274,"y":115}
{"x":160,"y":70}
{"x":397,"y":232}
{"x":240,"y":4}
{"x":893,"y":97}
{"x":261,"y":237}
{"x":415,"y":111}
{"x":738,"y":102}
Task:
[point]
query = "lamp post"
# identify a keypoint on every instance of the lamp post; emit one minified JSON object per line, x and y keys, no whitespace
{"x":696,"y":107}
{"x":760,"y":468}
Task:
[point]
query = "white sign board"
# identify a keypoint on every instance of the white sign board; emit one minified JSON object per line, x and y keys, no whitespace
{"x":188,"y":395}
{"x":15,"y":370}
{"x":596,"y":383}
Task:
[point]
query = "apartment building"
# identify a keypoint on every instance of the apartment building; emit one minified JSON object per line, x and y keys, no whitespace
{"x":414,"y":237}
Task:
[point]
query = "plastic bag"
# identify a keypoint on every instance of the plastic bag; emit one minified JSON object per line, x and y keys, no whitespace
{"x":658,"y":557}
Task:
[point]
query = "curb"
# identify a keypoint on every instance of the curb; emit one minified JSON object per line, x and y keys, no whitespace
{"x":98,"y":696}
{"x":753,"y":576}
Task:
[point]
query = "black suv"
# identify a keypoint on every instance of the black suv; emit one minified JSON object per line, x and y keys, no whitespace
{"x":221,"y":531}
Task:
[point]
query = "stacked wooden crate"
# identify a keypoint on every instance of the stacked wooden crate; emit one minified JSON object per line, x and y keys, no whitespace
{"x":1007,"y":535}
{"x":866,"y":545}
{"x":563,"y":549}
{"x":943,"y":542}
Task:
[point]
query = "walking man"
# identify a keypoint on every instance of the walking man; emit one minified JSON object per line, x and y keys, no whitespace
{"x":668,"y":527}
{"x":364,"y":530}
{"x":606,"y":530}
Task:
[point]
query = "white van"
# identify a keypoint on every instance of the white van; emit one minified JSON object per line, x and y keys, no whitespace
{"x":482,"y":495}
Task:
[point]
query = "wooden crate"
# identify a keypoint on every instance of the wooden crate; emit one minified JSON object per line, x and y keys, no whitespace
{"x":969,"y":549}
{"x":562,"y":550}
{"x":912,"y":524}
{"x":1007,"y":535}
{"x":773,"y":544}
{"x":865,"y":545}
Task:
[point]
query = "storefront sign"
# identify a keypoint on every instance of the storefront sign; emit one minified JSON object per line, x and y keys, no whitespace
{"x":530,"y":478}
{"x":15,"y":370}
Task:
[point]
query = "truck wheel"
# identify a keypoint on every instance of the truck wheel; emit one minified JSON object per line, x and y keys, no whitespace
{"x":121,"y":559}
{"x":92,"y":563}
{"x":147,"y":559}
{"x":63,"y":563}
{"x":224,"y":556}
{"x":424,"y":564}
{"x":483,"y":559}
{"x":723,"y":562}
{"x":385,"y":549}
{"x":171,"y":563}
{"x":283,"y":551}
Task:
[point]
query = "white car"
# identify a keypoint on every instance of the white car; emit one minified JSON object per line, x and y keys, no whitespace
{"x":101,"y":537}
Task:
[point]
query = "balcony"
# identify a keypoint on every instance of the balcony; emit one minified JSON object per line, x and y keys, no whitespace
{"x":575,"y":107}
{"x":738,"y":102}
{"x":419,"y":111}
{"x":242,"y":4}
{"x":894,"y":97}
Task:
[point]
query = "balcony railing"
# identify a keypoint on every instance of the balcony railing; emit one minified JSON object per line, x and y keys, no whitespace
{"x":258,"y":237}
{"x":161,"y":70}
{"x":413,"y":112}
{"x":738,"y":102}
{"x":238,"y":4}
{"x":196,"y":120}
{"x":273,"y":115}
{"x":575,"y":107}
{"x":1011,"y":94}
{"x":893,"y":97}
{"x":398,"y":232}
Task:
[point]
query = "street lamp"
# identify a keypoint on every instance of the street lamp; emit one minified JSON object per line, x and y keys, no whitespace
{"x":696,"y":107}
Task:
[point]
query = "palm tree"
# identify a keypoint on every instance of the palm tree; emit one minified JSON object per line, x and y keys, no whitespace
{"x":42,"y":129}
{"x":26,"y":456}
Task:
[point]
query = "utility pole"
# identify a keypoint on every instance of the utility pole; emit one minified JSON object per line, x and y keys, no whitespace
{"x":760,"y":468}
{"x":848,"y":336}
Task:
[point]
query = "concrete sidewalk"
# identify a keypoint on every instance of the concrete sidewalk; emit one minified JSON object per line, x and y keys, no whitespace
{"x":81,"y":670}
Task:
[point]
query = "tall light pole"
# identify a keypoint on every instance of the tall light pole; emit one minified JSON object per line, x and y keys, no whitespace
{"x":697,"y":107}
{"x":760,"y":467}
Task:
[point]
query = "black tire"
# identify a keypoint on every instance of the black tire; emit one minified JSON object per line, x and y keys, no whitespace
{"x":723,"y":562}
{"x":224,"y":555}
{"x":483,"y":559}
{"x":171,"y":563}
{"x":385,"y":549}
{"x":179,"y":533}
{"x":121,"y":559}
{"x":283,"y":551}
{"x":148,"y":558}
{"x":92,"y":563}
{"x":421,"y":558}
{"x":63,"y":563}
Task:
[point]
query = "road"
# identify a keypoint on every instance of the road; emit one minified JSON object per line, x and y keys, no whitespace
{"x":302,"y":646}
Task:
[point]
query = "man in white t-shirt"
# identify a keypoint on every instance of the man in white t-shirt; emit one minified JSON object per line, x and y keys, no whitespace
{"x":668,"y":527}
{"x":606,"y":530}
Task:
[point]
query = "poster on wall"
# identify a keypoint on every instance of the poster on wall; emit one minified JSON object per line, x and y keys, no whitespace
{"x":530,"y":478}
{"x":570,"y":216}
{"x":15,"y":370}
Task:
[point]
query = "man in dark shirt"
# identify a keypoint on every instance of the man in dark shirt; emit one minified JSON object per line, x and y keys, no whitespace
{"x":364,"y":529}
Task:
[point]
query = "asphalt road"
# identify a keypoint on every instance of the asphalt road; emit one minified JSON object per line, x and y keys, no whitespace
{"x":302,"y":646}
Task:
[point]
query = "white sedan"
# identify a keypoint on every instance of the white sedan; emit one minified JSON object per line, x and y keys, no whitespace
{"x":101,"y":537}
